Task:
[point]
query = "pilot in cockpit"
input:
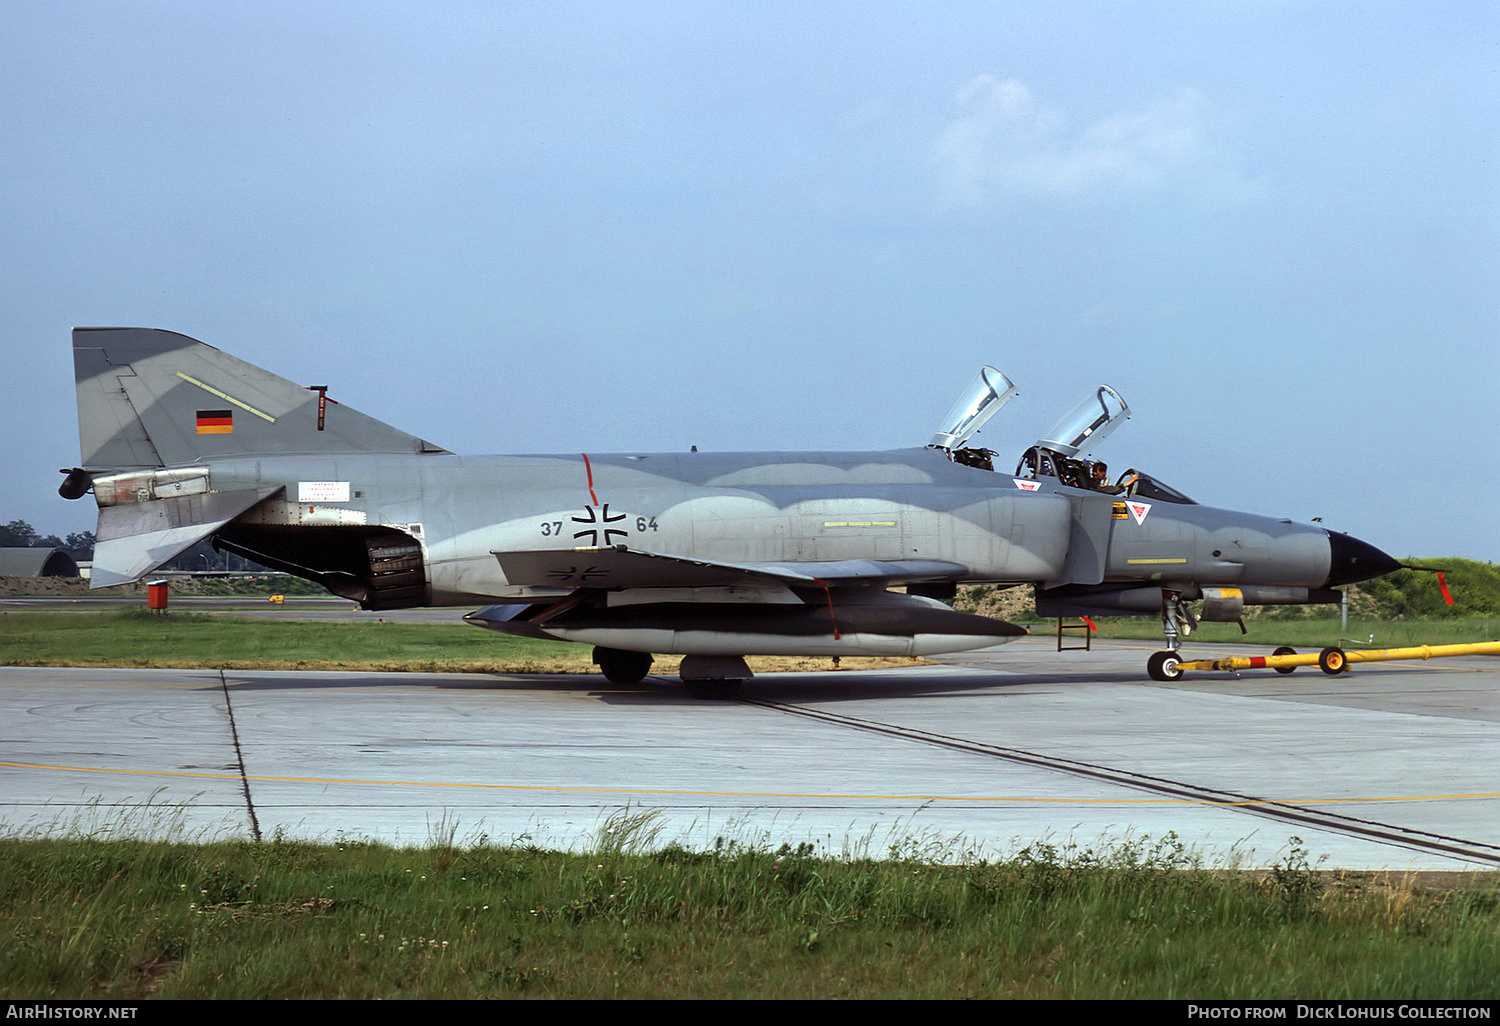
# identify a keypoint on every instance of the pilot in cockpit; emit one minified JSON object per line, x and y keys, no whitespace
{"x":1099,"y":480}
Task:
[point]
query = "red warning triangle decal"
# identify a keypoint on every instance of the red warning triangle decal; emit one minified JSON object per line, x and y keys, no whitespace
{"x":1139,"y":510}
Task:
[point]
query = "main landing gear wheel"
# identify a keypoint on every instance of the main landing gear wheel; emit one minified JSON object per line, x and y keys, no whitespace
{"x":1332,"y":661}
{"x":1284,"y":650}
{"x":621,"y":667}
{"x":1164,"y":666}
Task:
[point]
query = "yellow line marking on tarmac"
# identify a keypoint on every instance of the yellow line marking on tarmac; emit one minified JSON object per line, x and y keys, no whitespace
{"x":1248,"y":803}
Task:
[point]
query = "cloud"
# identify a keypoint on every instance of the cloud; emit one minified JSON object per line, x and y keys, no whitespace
{"x":1003,"y":141}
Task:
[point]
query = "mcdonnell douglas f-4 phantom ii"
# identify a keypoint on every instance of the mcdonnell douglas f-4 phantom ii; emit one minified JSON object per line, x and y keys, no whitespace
{"x":713,"y":556}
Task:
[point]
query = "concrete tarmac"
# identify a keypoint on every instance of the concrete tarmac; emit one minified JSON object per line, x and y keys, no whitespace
{"x":976,"y":758}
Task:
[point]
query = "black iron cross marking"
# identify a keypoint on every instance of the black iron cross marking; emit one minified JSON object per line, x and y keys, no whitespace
{"x":600,"y":515}
{"x":574,"y":573}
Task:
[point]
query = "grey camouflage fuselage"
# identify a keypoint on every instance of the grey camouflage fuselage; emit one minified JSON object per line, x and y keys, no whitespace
{"x":710,"y":554}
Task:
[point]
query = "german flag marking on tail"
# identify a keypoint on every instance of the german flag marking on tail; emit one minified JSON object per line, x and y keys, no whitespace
{"x":216,"y":422}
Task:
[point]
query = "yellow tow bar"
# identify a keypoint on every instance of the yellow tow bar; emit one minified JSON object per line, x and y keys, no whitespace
{"x":1170,"y":666}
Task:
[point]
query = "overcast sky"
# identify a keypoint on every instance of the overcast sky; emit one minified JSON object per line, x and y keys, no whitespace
{"x":1274,"y":227}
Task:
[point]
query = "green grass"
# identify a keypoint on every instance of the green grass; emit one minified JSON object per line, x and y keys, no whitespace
{"x":87,"y":918}
{"x":194,"y":640}
{"x":136,"y":637}
{"x":139,"y":638}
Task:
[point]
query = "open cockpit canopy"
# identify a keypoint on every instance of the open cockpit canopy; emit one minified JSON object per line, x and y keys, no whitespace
{"x":975,"y":406}
{"x":1090,"y":422}
{"x":1055,"y":454}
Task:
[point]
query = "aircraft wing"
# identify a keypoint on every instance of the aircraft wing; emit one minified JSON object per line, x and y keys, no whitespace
{"x":620,"y":567}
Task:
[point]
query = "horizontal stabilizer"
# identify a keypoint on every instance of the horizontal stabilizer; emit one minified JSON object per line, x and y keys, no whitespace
{"x":619,"y":567}
{"x":136,"y":538}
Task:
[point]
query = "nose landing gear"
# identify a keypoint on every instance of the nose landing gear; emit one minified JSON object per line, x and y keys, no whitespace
{"x":1176,"y":620}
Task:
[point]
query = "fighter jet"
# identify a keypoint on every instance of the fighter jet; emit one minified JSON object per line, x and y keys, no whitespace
{"x":712,"y":556}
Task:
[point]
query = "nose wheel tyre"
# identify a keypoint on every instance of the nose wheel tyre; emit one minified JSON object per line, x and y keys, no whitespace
{"x":1165,"y":666}
{"x":1284,"y":650}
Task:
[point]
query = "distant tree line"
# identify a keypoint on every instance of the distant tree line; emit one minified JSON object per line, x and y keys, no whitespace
{"x":203,"y":556}
{"x":18,"y":534}
{"x":80,"y":545}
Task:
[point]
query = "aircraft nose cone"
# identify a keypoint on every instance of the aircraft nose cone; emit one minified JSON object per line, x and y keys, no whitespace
{"x":1351,"y":560}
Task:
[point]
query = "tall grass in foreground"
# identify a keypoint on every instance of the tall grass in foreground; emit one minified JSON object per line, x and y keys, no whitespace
{"x":282,"y":919}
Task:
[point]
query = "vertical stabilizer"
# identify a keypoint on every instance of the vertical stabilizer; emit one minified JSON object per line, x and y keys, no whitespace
{"x":149,"y":398}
